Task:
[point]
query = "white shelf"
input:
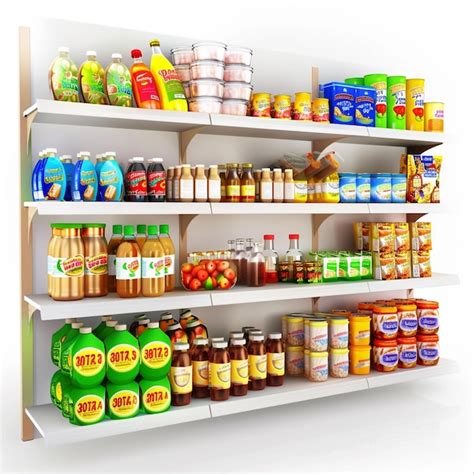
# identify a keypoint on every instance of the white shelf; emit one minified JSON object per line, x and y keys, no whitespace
{"x":406,"y":208}
{"x":286,"y":208}
{"x":437,"y":280}
{"x":56,"y":430}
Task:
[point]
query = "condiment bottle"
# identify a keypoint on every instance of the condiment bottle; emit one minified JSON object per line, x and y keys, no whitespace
{"x":252,"y":332}
{"x":214,"y":187}
{"x":239,"y":366}
{"x":247,"y":184}
{"x":141,"y":235}
{"x":168,"y":246}
{"x":135,"y":180}
{"x":144,"y":87}
{"x":142,"y":326}
{"x":200,"y":184}
{"x":177,"y":183}
{"x":257,"y":362}
{"x":181,"y":375}
{"x":245,"y":330}
{"x":293,"y":254}
{"x":257,"y":175}
{"x":271,"y":259}
{"x":200,"y":363}
{"x":232,"y":183}
{"x":128,"y":265}
{"x":278,"y":186}
{"x":289,"y":194}
{"x":219,"y":372}
{"x":186,"y":184}
{"x":222,"y":177}
{"x":240,"y":257}
{"x":169,"y":184}
{"x":213,"y":341}
{"x":114,"y":242}
{"x":266,"y":186}
{"x":95,"y":257}
{"x":166,"y":319}
{"x":153,"y":264}
{"x":156,"y":180}
{"x":236,"y":335}
{"x":275,"y":360}
{"x":256,"y":267}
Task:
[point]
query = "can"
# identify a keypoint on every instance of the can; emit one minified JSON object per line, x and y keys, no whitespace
{"x":355,"y":81}
{"x":261,"y":104}
{"x":365,"y":100}
{"x":396,"y":102}
{"x":320,"y":110}
{"x":381,"y":187}
{"x":302,"y":106}
{"x":415,"y":104}
{"x":379,"y":83}
{"x":282,"y":107}
{"x":434,"y":117}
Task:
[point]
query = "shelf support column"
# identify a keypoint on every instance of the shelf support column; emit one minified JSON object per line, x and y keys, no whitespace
{"x":184,"y":221}
{"x":185,"y":139}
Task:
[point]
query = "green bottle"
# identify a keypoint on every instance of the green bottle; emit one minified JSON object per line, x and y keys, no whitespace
{"x":87,"y":405}
{"x":86,"y":364}
{"x":65,"y":350}
{"x":155,"y":353}
{"x":101,"y":325}
{"x":56,"y":388}
{"x":66,"y":403}
{"x":109,"y":329}
{"x":356,"y":81}
{"x":155,"y":395}
{"x":396,"y":102}
{"x":57,"y":339}
{"x":379,"y":83}
{"x":123,"y":401}
{"x":123,"y":356}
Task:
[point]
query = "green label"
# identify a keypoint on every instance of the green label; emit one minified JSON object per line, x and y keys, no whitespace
{"x":173,"y":87}
{"x":64,"y":80}
{"x":92,"y":83}
{"x":119,"y":85}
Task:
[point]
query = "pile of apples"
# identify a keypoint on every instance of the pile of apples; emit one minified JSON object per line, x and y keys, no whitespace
{"x":208,"y":275}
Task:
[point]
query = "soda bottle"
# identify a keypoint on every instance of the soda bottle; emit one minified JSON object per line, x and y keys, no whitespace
{"x":144,"y":87}
{"x":135,"y":180}
{"x":156,"y":180}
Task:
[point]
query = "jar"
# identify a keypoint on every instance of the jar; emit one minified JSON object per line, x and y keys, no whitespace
{"x":238,"y":73}
{"x":338,"y":332}
{"x":284,"y":271}
{"x":318,"y":366}
{"x":237,"y":90}
{"x":184,"y":72}
{"x":399,"y":188}
{"x":407,"y":320}
{"x":207,"y":88}
{"x":363,"y":187}
{"x":338,"y":363}
{"x":359,"y":360}
{"x":381,"y":187}
{"x":385,"y":322}
{"x":284,"y":327}
{"x":208,"y":105}
{"x":295,"y":331}
{"x":182,"y":55}
{"x":406,"y":352}
{"x":365,"y":308}
{"x":347,"y":187}
{"x":238,"y":55}
{"x":385,"y":355}
{"x":320,"y":110}
{"x":261,"y":104}
{"x":330,"y":188}
{"x":310,"y":272}
{"x":428,"y":317}
{"x":95,"y":258}
{"x":298,"y":272}
{"x":428,"y":349}
{"x":294,"y":358}
{"x":359,"y":330}
{"x":282,"y":107}
{"x":234,"y":107}
{"x":209,"y":50}
{"x":302,"y":106}
{"x":318,"y":335}
{"x":275,"y":360}
{"x":207,"y":70}
{"x":306,"y":363}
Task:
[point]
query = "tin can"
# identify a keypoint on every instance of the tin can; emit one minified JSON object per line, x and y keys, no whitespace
{"x":396,"y":102}
{"x":379,"y":83}
{"x":434,"y":117}
{"x":416,"y":104}
{"x":261,"y":104}
{"x":282,"y":107}
{"x":320,"y":110}
{"x":302,"y":107}
{"x":355,"y":81}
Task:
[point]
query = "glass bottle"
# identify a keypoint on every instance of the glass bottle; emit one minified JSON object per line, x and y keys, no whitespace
{"x":257,"y":363}
{"x":214,"y":188}
{"x":247,"y":184}
{"x":278,"y":186}
{"x":271,"y":259}
{"x":293,"y":254}
{"x":128,"y":265}
{"x":275,"y":360}
{"x":240,"y":256}
{"x":219,"y":372}
{"x":186,"y":184}
{"x":222,"y":176}
{"x":239,"y":366}
{"x":289,"y":188}
{"x":141,"y":235}
{"x":256,"y":267}
{"x":266,"y":186}
{"x":200,"y":363}
{"x":232,"y":184}
{"x":169,"y":184}
{"x":95,"y":256}
{"x":114,"y":242}
{"x":176,"y":183}
{"x":200,"y":184}
{"x":181,"y":375}
{"x":153,"y":262}
{"x":168,"y":246}
{"x":257,"y":175}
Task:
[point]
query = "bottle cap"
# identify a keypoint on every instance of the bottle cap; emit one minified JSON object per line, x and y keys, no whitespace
{"x":91,"y":53}
{"x":141,"y":229}
{"x":274,"y":335}
{"x":294,"y":236}
{"x":117,"y":229}
{"x":238,"y":342}
{"x":120,"y":327}
{"x":256,"y":337}
{"x":212,"y":166}
{"x":137,"y":159}
{"x":155,"y":42}
{"x":166,"y":316}
{"x":180,"y":346}
{"x":99,"y":156}
{"x":200,"y":342}
{"x":50,"y":150}
{"x":116,"y":56}
{"x":129,"y":230}
{"x":84,"y":153}
{"x":110,"y":153}
{"x":106,"y":318}
{"x":155,"y":160}
{"x":215,"y":340}
{"x":70,"y":320}
{"x":220,"y":345}
{"x":77,"y":325}
{"x":65,"y":157}
{"x":144,"y":322}
{"x":199,"y":166}
{"x":152,"y":229}
{"x":153,"y":325}
{"x":136,"y":53}
{"x":236,"y":334}
{"x":111,"y":324}
{"x":85,"y":330}
{"x":63,"y":49}
{"x":184,"y":313}
{"x":269,"y":237}
{"x":164,"y":229}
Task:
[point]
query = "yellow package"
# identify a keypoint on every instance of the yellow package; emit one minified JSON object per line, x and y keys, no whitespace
{"x":361,"y":235}
{"x":421,"y":236}
{"x":384,"y":266}
{"x":382,"y":237}
{"x":423,"y":177}
{"x":402,"y":236}
{"x":421,"y":264}
{"x":403,"y":264}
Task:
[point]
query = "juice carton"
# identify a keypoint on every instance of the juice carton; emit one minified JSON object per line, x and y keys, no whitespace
{"x":421,"y":236}
{"x":155,"y":395}
{"x":84,"y":184}
{"x":382,"y":237}
{"x":51,"y":177}
{"x":85,"y":406}
{"x":341,"y":102}
{"x":365,"y":99}
{"x":63,"y":77}
{"x":118,"y":82}
{"x":57,"y":339}
{"x":384,"y":266}
{"x":123,"y":401}
{"x":423,"y":177}
{"x":155,"y":353}
{"x":91,"y":80}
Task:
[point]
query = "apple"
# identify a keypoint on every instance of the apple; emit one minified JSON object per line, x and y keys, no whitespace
{"x":208,"y":285}
{"x":202,"y":275}
{"x":223,"y":265}
{"x":195,"y":284}
{"x":224,"y":283}
{"x":229,"y":274}
{"x":186,"y":267}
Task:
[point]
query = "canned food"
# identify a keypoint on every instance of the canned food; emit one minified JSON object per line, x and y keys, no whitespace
{"x":318,"y":366}
{"x":428,"y":317}
{"x":359,"y":360}
{"x":407,"y":352}
{"x":282,"y":107}
{"x":294,"y":360}
{"x":434,"y":117}
{"x":261,"y":104}
{"x":428,"y":349}
{"x":385,"y":355}
{"x":320,"y":110}
{"x":318,"y":335}
{"x":338,"y":332}
{"x":302,"y":106}
{"x":339,"y":363}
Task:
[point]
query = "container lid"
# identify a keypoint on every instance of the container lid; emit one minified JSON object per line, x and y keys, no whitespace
{"x":247,"y":328}
{"x":66,"y":226}
{"x":180,"y":49}
{"x":129,"y":230}
{"x":141,"y":229}
{"x":338,"y":320}
{"x":153,"y":325}
{"x":205,"y":98}
{"x":236,"y":334}
{"x":294,"y":348}
{"x":200,"y":341}
{"x":342,"y":351}
{"x":136,"y":53}
{"x":66,"y":158}
{"x":406,"y":340}
{"x":294,"y":319}
{"x":209,"y":62}
{"x":63,"y":49}
{"x":111,"y":323}
{"x":239,"y":85}
{"x":427,"y":304}
{"x":274,"y":335}
{"x":120,"y":327}
{"x":238,"y":342}
{"x":254,"y":331}
{"x":77,"y":325}
{"x":85,"y":330}
{"x":116,"y":56}
{"x":155,"y":42}
{"x":144,"y":322}
{"x":294,"y":236}
{"x":406,"y":307}
{"x":317,"y":355}
{"x":256,"y":337}
{"x":50,"y":150}
{"x":180,"y":346}
{"x":268,"y":237}
{"x":209,"y":43}
{"x":385,"y":343}
{"x":93,"y":226}
{"x":91,"y":53}
{"x":136,"y":159}
{"x":219,"y":345}
{"x":117,"y":229}
{"x":385,"y":309}
{"x":317,"y":323}
{"x":164,"y":229}
{"x":155,"y":160}
{"x":73,"y":320}
{"x":110,"y":153}
{"x":152,"y":230}
{"x":216,"y":339}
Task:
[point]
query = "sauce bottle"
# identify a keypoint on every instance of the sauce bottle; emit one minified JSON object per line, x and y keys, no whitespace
{"x":200,"y":184}
{"x":168,"y":246}
{"x":235,"y":335}
{"x":278,"y":186}
{"x":169,"y":184}
{"x":240,"y":257}
{"x":247,"y":184}
{"x":214,"y":187}
{"x":257,"y":175}
{"x":156,"y":180}
{"x":128,"y":265}
{"x":252,"y":332}
{"x":144,"y":87}
{"x":222,"y":176}
{"x":135,"y":180}
{"x":239,"y":367}
{"x":153,"y":264}
{"x":176,"y":183}
{"x":219,"y":372}
{"x":275,"y":360}
{"x":245,"y":330}
{"x":200,"y":363}
{"x":142,"y":326}
{"x":141,"y":235}
{"x":181,"y":376}
{"x":271,"y":259}
{"x":289,"y":188}
{"x":256,"y":267}
{"x":95,"y":256}
{"x":266,"y":186}
{"x":293,"y":254}
{"x":257,"y":362}
{"x":186,"y":184}
{"x":166,"y":319}
{"x":232,"y":183}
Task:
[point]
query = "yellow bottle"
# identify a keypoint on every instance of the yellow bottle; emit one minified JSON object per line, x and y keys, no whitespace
{"x":170,"y":89}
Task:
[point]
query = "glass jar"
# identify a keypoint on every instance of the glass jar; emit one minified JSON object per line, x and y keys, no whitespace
{"x":232,"y":183}
{"x":385,"y":355}
{"x":271,"y":259}
{"x":428,"y":349}
{"x":256,"y":267}
{"x":385,"y":321}
{"x":247,"y":184}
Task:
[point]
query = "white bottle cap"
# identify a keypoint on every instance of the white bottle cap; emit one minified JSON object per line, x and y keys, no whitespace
{"x":77,"y":325}
{"x":110,"y":153}
{"x":220,"y":345}
{"x":144,"y":322}
{"x":185,"y":166}
{"x":180,"y":346}
{"x":236,"y":334}
{"x":99,"y":156}
{"x":256,"y":337}
{"x":212,"y":166}
{"x":153,"y":325}
{"x":65,"y":157}
{"x":274,"y":335}
{"x":106,"y":318}
{"x":155,"y":160}
{"x":216,"y":339}
{"x":63,"y":49}
{"x":238,"y":342}
{"x":111,"y":324}
{"x":200,"y":341}
{"x":116,"y":56}
{"x":91,"y":53}
{"x":85,"y":330}
{"x":70,"y":320}
{"x":120,"y":327}
{"x":50,"y":150}
{"x":199,"y":166}
{"x":138,"y":159}
{"x":165,"y":316}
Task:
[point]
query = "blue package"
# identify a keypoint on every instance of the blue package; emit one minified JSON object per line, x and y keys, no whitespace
{"x":347,"y":187}
{"x":363,"y":187}
{"x":399,"y":188}
{"x":51,"y":177}
{"x":381,"y":187}
{"x":111,"y":179}
{"x":84,"y":184}
{"x":341,"y":98}
{"x":36,"y":189}
{"x":365,"y":100}
{"x":66,"y":160}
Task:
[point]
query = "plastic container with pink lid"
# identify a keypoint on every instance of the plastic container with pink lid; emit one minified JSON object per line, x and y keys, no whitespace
{"x":182,"y":55}
{"x":209,"y":105}
{"x":207,"y":87}
{"x":184,"y":72}
{"x":237,"y":90}
{"x":209,"y":50}
{"x":238,"y":55}
{"x":207,"y":70}
{"x":238,"y":73}
{"x":234,"y":107}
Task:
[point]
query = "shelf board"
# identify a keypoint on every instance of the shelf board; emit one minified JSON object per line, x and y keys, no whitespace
{"x":406,"y":208}
{"x":286,"y":208}
{"x":178,"y":299}
{"x":56,"y":430}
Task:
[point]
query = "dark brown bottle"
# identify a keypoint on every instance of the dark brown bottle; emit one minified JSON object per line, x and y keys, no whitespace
{"x":181,"y":375}
{"x":275,"y":360}
{"x":239,"y":366}
{"x":200,"y":363}
{"x":135,"y":181}
{"x":257,"y":362}
{"x":156,"y":180}
{"x":219,"y":372}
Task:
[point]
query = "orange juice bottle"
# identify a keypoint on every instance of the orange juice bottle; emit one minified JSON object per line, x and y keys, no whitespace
{"x":153,"y":264}
{"x":169,"y":86}
{"x":168,"y":246}
{"x":144,"y":87}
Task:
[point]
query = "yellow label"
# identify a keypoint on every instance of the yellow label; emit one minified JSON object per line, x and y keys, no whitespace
{"x":247,"y":190}
{"x":89,"y":409}
{"x":156,"y":399}
{"x":240,"y":371}
{"x":96,"y":264}
{"x":155,"y":354}
{"x":232,"y":190}
{"x":200,"y":373}
{"x":59,"y":392}
{"x":123,"y":358}
{"x":124,"y":403}
{"x":181,"y":379}
{"x":219,"y":375}
{"x":73,"y":266}
{"x":258,"y":366}
{"x":88,"y":361}
{"x":276,"y":363}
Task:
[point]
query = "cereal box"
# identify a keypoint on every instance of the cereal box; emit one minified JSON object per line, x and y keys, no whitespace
{"x":423,"y":172}
{"x":382,"y":237}
{"x":384,"y":266}
{"x":402,"y":236}
{"x":421,"y":236}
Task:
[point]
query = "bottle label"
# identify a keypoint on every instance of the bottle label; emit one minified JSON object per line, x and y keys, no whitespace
{"x":128,"y":268}
{"x":96,"y":264}
{"x":215,"y":189}
{"x":153,"y":267}
{"x":232,"y":190}
{"x":200,"y":188}
{"x":66,"y":267}
{"x":119,"y":85}
{"x":258,"y":367}
{"x":89,"y":409}
{"x":276,"y":363}
{"x":157,"y":183}
{"x":111,"y":264}
{"x":181,"y":379}
{"x":186,"y":189}
{"x":172,"y":85}
{"x":64,"y":81}
{"x":219,"y":375}
{"x":123,"y":358}
{"x":289,"y":191}
{"x":88,"y":361}
{"x":266,"y":190}
{"x":169,"y":264}
{"x":92,"y":83}
{"x":155,"y":354}
{"x":408,"y":321}
{"x":145,"y":86}
{"x":156,"y":399}
{"x":247,"y":190}
{"x":200,"y":373}
{"x":124,"y":403}
{"x":239,"y":371}
{"x":278,"y":190}
{"x":135,"y":183}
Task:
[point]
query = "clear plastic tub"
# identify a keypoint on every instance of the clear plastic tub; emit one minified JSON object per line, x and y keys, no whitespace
{"x":187,"y":90}
{"x":238,"y":55}
{"x":209,"y":50}
{"x":207,"y":87}
{"x":234,"y":107}
{"x":237,"y":90}
{"x":184,"y":72}
{"x":207,"y":70}
{"x":209,"y":105}
{"x":238,"y":73}
{"x":182,"y":55}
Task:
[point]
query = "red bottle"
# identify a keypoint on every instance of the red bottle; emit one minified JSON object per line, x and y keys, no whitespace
{"x":156,"y":180}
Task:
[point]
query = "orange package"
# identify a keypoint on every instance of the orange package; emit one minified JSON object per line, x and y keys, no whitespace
{"x":382,"y":237}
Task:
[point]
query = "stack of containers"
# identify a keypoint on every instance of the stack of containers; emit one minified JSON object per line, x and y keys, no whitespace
{"x":359,"y":343}
{"x":339,"y":344}
{"x":316,"y":348}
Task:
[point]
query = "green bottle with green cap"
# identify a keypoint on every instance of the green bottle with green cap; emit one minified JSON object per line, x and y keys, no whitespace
{"x":123,"y":401}
{"x":141,"y":235}
{"x":155,"y":353}
{"x":86,"y":406}
{"x":65,"y":351}
{"x":57,"y":339}
{"x":396,"y":102}
{"x":108,"y":329}
{"x":168,"y":246}
{"x":155,"y":395}
{"x":101,"y":326}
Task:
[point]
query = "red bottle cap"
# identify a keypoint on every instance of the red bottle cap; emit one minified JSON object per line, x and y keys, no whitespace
{"x":294,"y":236}
{"x":136,"y":53}
{"x":268,"y":237}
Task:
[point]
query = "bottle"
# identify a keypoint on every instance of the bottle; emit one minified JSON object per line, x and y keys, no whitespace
{"x":257,"y":362}
{"x":95,"y":258}
{"x":57,"y":339}
{"x":155,"y":395}
{"x":114,"y":242}
{"x":222,"y":175}
{"x":118,"y":82}
{"x":169,"y":184}
{"x":278,"y":186}
{"x":266,"y":186}
{"x":123,"y":356}
{"x":108,"y":329}
{"x":181,"y":376}
{"x":219,"y":372}
{"x":289,"y":194}
{"x":63,"y":77}
{"x":257,"y":174}
{"x":51,"y":177}
{"x":275,"y":360}
{"x":81,"y":413}
{"x":177,"y":183}
{"x":256,"y":267}
{"x":36,"y":189}
{"x":156,"y":180}
{"x":144,"y":87}
{"x":168,"y":246}
{"x":135,"y":180}
{"x":200,"y":184}
{"x":200,"y":363}
{"x":232,"y":183}
{"x":252,"y":332}
{"x":214,"y":186}
{"x":239,"y":368}
{"x":271,"y":259}
{"x":85,"y":183}
{"x":54,"y":242}
{"x":111,"y":185}
{"x":101,"y":326}
{"x":128,"y":265}
{"x":153,"y":264}
{"x":141,"y":235}
{"x":155,"y":353}
{"x":69,"y":167}
{"x":142,"y":326}
{"x":123,"y":400}
{"x":67,"y":340}
{"x":91,"y":80}
{"x":247,"y":184}
{"x":240,"y":256}
{"x":166,"y":319}
{"x":170,"y":89}
{"x":293,"y":254}
{"x":301,"y":188}
{"x":99,"y":162}
{"x":245,"y":330}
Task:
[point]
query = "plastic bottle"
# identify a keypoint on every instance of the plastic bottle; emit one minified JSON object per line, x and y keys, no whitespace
{"x":128,"y":265}
{"x":232,"y":183}
{"x":108,"y":329}
{"x":123,"y":400}
{"x":170,"y":89}
{"x":111,"y":185}
{"x":91,"y":80}
{"x":63,"y":77}
{"x":114,"y":242}
{"x":186,"y":184}
{"x":293,"y":254}
{"x":51,"y":177}
{"x":239,"y":366}
{"x":58,"y":381}
{"x":141,"y":235}
{"x":247,"y":184}
{"x":155,"y":395}
{"x":275,"y":360}
{"x":144,"y":87}
{"x":200,"y":364}
{"x":118,"y":82}
{"x":86,"y":406}
{"x":99,"y":162}
{"x":166,"y":319}
{"x":271,"y":259}
{"x":181,"y":375}
{"x":213,"y":184}
{"x":95,"y":256}
{"x":156,"y":180}
{"x":278,"y":186}
{"x":57,"y":339}
{"x":85,"y":183}
{"x":266,"y":186}
{"x":256,"y":267}
{"x":289,"y":186}
{"x":200,"y":185}
{"x":153,"y":264}
{"x":168,"y":246}
{"x":36,"y":190}
{"x":101,"y":326}
{"x":240,"y":256}
{"x":69,"y":167}
{"x":64,"y":351}
{"x":219,"y":372}
{"x":135,"y":180}
{"x":155,"y":353}
{"x":169,"y":184}
{"x":257,"y":362}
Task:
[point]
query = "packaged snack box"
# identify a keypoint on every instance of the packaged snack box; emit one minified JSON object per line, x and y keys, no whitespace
{"x":382,"y":237}
{"x":361,"y":235}
{"x":421,"y":236}
{"x":403,"y":264}
{"x":423,"y":177}
{"x":402,"y":236}
{"x":421,"y":264}
{"x":384,"y":266}
{"x":341,"y":101}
